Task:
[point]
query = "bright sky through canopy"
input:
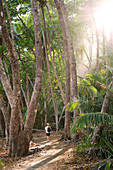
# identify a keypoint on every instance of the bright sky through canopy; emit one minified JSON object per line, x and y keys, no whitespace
{"x":104,"y":17}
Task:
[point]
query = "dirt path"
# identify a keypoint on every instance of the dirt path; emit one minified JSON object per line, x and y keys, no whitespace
{"x":53,"y":155}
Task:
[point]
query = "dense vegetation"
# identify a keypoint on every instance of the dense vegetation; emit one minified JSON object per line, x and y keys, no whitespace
{"x":76,"y":57}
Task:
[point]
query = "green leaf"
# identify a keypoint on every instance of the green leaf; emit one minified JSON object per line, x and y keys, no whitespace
{"x":108,"y":165}
{"x":2,"y":163}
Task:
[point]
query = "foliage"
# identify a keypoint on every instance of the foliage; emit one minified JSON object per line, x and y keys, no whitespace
{"x":105,"y":164}
{"x":92,"y":89}
{"x":2,"y":164}
{"x":84,"y":143}
{"x":92,"y":119}
{"x":87,"y":123}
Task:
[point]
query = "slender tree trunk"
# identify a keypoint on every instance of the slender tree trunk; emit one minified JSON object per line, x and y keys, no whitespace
{"x":6,"y":114}
{"x":60,"y":65}
{"x":67,"y":70}
{"x":3,"y":108}
{"x":71,"y":51}
{"x":73,"y":71}
{"x":60,"y":39}
{"x":25,"y":98}
{"x":27,"y":88}
{"x":97,"y":37}
{"x":45,"y":109}
{"x":45,"y":70}
{"x":50,"y":80}
{"x":103,"y":47}
{"x":6,"y":84}
{"x":48,"y":41}
{"x":12,"y":32}
{"x":90,"y":52}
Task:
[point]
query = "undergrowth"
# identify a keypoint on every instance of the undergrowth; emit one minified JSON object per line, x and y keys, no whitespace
{"x":103,"y":147}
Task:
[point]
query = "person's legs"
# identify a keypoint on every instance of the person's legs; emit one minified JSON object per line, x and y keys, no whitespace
{"x":48,"y":136}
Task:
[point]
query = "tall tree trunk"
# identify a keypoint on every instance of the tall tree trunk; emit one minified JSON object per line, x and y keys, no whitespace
{"x":47,"y":58}
{"x":73,"y":71}
{"x":32,"y":109}
{"x":48,"y":41}
{"x":67,"y":70}
{"x":59,"y":84}
{"x":71,"y":51}
{"x":67,"y":113}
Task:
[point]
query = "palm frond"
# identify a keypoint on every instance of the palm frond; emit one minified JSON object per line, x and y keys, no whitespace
{"x":72,"y":105}
{"x":94,"y":119}
{"x":91,"y":119}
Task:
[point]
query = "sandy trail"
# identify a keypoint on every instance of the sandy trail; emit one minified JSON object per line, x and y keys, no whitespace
{"x":54,"y":155}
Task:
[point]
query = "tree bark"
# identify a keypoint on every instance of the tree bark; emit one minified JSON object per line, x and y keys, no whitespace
{"x":47,"y":59}
{"x":67,"y":70}
{"x":32,"y":109}
{"x":6,"y":84}
{"x":71,"y":51}
{"x":27,"y":88}
{"x":48,"y":41}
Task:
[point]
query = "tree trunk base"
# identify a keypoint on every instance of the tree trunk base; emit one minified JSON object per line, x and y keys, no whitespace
{"x":20,"y":147}
{"x":97,"y":132}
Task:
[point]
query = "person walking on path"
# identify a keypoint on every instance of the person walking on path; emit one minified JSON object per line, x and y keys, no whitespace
{"x":48,"y":131}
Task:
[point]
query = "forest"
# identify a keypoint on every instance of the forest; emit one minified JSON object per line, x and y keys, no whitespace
{"x":56,"y":67}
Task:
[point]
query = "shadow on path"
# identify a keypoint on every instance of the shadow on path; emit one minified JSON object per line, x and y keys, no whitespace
{"x":48,"y":159}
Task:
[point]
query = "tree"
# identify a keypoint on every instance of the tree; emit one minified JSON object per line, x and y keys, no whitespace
{"x":71,"y":51}
{"x":20,"y":138}
{"x":67,"y":69}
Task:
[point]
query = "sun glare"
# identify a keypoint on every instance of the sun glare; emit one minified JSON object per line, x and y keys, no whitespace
{"x":104,"y":17}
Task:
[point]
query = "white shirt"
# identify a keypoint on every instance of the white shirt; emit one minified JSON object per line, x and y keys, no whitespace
{"x":46,"y":129}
